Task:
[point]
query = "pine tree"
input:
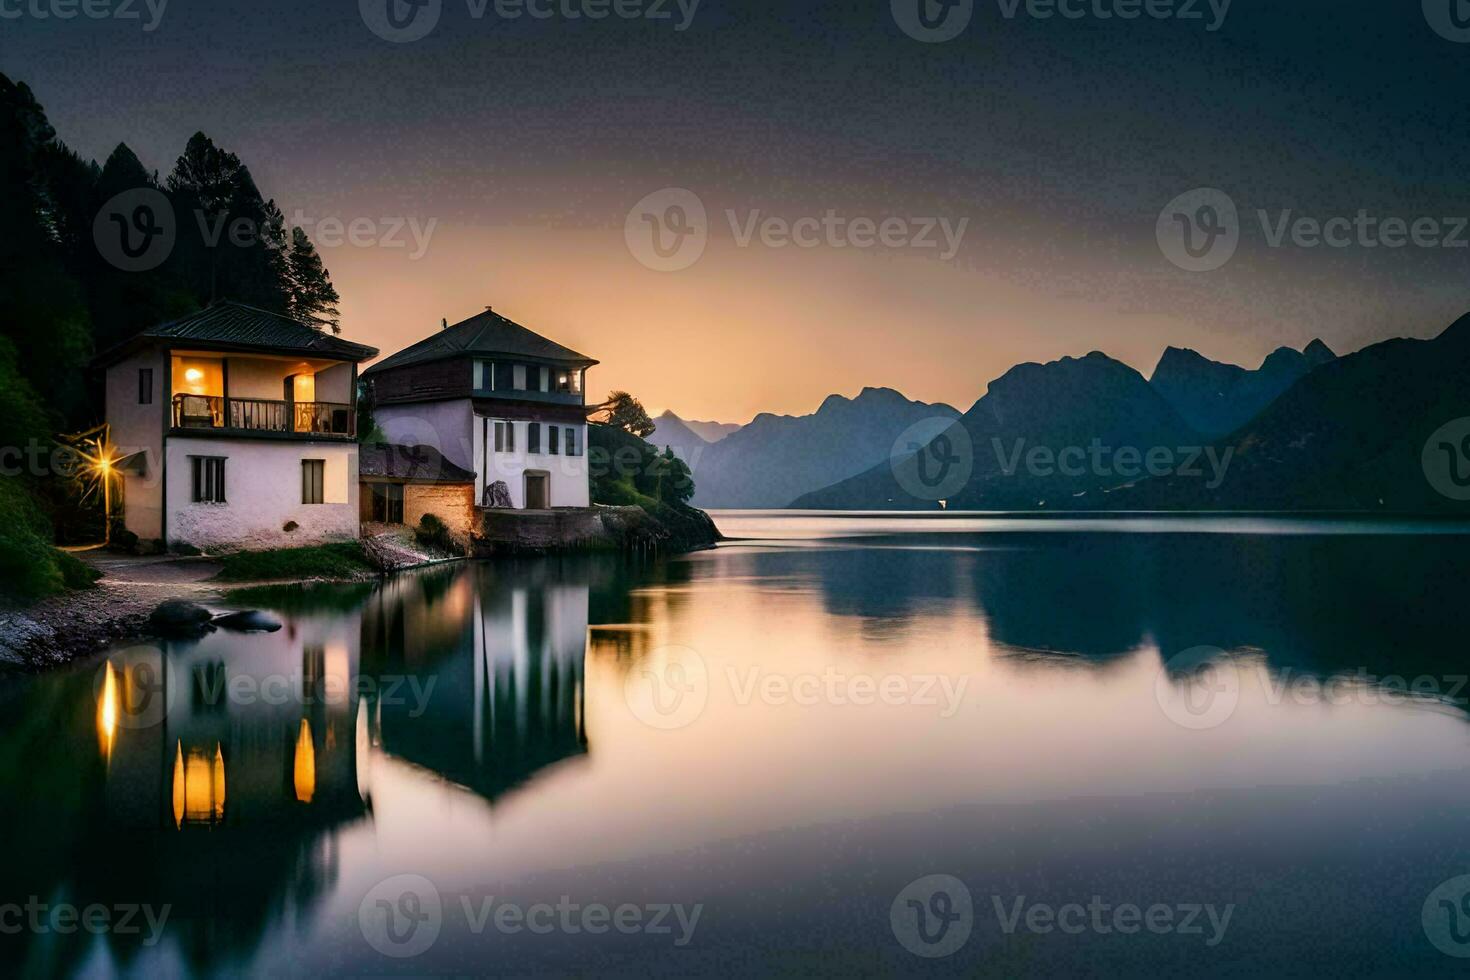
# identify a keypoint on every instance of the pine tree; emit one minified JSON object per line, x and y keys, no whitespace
{"x":313,"y":298}
{"x":214,"y":195}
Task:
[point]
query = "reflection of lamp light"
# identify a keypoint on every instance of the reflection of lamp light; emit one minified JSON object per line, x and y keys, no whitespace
{"x":107,"y":707}
{"x":304,"y":770}
{"x":194,"y":375}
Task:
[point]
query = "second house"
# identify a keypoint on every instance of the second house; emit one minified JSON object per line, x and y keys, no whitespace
{"x":498,"y":400}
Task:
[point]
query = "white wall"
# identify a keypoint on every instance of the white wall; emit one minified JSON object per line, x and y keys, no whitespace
{"x":263,"y":493}
{"x":452,"y":428}
{"x":568,"y":483}
{"x":139,"y":428}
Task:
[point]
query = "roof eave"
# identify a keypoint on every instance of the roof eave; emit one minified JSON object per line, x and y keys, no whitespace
{"x":356,"y":353}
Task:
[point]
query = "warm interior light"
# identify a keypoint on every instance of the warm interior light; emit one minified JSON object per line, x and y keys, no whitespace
{"x":194,"y":375}
{"x":199,"y":785}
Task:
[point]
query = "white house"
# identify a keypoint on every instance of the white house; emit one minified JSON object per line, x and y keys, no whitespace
{"x":494,"y":398}
{"x":238,"y":430}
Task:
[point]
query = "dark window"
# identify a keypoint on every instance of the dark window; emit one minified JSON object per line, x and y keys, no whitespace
{"x":145,"y":386}
{"x":572,"y":448}
{"x":553,"y":436}
{"x":484,"y":375}
{"x":545,"y":382}
{"x":533,"y":437}
{"x":312,"y":473}
{"x":209,"y":479}
{"x":505,"y":437}
{"x":388,"y":503}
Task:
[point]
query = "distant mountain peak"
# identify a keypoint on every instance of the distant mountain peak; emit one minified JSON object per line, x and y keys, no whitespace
{"x":1175,"y":358}
{"x":1318,"y":353}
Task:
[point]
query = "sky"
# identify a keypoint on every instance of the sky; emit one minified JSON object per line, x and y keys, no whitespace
{"x":882,"y":203}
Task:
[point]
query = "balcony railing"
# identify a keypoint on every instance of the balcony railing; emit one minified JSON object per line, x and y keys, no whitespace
{"x":263,"y":415}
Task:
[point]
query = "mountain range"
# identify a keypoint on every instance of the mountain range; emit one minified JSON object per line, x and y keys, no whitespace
{"x":1307,"y":430}
{"x":1215,"y":399}
{"x":776,"y":458}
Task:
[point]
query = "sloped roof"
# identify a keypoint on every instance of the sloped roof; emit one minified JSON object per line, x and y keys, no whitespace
{"x":232,"y":325}
{"x":423,"y":464}
{"x":487,"y":334}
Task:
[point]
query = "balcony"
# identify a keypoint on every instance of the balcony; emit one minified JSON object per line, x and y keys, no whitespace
{"x":213,"y":412}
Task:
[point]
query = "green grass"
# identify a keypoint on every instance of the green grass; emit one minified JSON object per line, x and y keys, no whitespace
{"x":327,"y":561}
{"x":30,"y":568}
{"x":315,"y":597}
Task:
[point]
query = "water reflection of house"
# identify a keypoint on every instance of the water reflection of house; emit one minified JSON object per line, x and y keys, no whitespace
{"x":231,"y":798}
{"x":508,"y":693}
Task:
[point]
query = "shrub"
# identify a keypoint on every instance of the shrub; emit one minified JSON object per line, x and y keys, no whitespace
{"x":30,"y":568}
{"x":124,"y":540}
{"x":75,"y":573}
{"x":433,"y":534}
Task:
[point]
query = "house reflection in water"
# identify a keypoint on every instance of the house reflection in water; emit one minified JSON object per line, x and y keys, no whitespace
{"x":230,"y":765}
{"x":220,"y":777}
{"x":504,"y":649}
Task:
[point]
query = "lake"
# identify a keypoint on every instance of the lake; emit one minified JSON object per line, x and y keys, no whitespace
{"x":860,"y":744}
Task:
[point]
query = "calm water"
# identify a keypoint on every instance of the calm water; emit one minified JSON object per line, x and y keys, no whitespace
{"x":753,"y":760}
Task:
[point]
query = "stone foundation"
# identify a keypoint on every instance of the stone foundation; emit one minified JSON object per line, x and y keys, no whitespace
{"x":596,"y":528}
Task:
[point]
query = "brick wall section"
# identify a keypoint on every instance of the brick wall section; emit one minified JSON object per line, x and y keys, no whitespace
{"x":452,"y":503}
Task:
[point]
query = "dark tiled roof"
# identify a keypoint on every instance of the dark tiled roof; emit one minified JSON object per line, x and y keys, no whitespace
{"x":486,"y":334}
{"x":419,"y":463}
{"x":237,"y":325}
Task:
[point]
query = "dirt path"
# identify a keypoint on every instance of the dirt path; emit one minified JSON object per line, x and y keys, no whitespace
{"x":74,"y":624}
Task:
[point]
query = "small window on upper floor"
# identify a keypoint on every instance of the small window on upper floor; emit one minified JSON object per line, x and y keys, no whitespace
{"x":545,"y":381}
{"x":145,"y":386}
{"x":518,"y":374}
{"x":484,"y":375}
{"x":533,"y":437}
{"x":553,"y":439}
